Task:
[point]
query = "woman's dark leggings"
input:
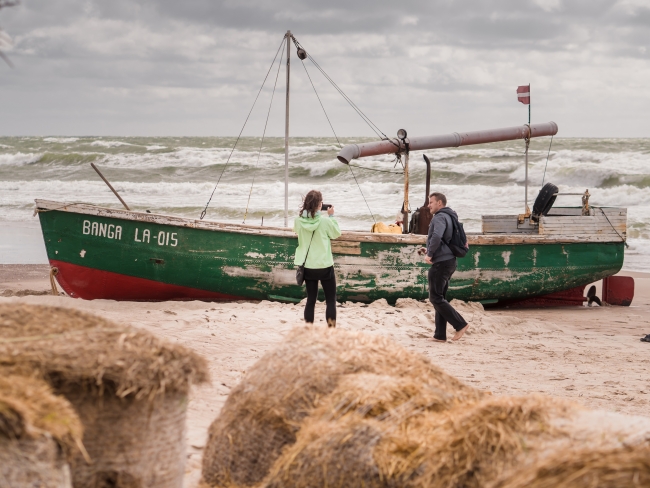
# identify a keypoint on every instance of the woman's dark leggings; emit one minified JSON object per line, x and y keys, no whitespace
{"x":329,"y":287}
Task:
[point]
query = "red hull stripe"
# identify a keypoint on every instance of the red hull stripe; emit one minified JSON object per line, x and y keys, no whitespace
{"x":91,"y":284}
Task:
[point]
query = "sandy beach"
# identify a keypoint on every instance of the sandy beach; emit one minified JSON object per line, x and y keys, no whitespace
{"x":588,"y":354}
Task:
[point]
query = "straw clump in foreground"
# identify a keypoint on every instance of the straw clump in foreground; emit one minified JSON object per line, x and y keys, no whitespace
{"x":38,"y":434}
{"x":128,"y":387}
{"x":474,"y":444}
{"x":264,"y":413}
{"x":336,"y":408}
{"x":68,"y":346}
{"x":332,"y":453}
{"x":467,"y":445}
{"x":587,"y":468}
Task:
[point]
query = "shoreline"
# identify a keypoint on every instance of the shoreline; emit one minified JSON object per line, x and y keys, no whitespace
{"x":25,"y":278}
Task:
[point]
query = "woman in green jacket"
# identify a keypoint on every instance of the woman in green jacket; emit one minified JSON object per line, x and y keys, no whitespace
{"x":314,"y":250}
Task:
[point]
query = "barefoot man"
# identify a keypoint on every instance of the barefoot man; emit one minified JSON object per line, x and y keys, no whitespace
{"x":443,"y":266}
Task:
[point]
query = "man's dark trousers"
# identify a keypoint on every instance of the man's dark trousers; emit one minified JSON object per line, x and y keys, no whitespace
{"x":439,"y":276}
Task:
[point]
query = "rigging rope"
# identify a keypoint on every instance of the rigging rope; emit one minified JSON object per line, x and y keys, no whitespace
{"x":365,"y":118}
{"x":546,"y":166}
{"x":242,"y":129}
{"x":263,"y":136}
{"x":321,"y":104}
{"x":53,"y":272}
{"x":610,"y":223}
{"x":377,"y":170}
{"x":364,"y":197}
{"x":334,"y":132}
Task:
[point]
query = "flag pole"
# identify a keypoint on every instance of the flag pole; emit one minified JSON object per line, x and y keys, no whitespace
{"x":288,"y":37}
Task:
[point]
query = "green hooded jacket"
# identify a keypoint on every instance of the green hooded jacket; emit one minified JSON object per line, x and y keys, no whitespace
{"x":320,"y":250}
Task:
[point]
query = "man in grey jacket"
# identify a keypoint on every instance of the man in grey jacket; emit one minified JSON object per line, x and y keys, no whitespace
{"x":443,"y":265}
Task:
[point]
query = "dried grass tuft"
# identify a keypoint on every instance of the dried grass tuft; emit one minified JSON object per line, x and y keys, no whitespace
{"x":332,"y":453}
{"x":264,"y":413}
{"x":377,"y":395}
{"x":344,"y":409}
{"x":468,"y":446}
{"x":66,"y":346}
{"x":627,"y":467}
{"x":464,"y":446}
{"x":128,"y":388}
{"x":29,"y":409}
{"x":38,"y":434}
{"x":338,"y":444}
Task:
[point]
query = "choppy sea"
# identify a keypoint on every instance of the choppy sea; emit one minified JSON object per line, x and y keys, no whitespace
{"x":176,"y":175}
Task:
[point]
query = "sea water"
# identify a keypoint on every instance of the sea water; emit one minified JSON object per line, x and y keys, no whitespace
{"x":176,"y":176}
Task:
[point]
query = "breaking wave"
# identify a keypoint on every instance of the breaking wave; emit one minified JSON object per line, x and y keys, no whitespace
{"x":60,"y":140}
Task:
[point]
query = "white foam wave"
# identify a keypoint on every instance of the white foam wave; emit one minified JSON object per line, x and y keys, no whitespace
{"x":456,"y":153}
{"x":592,"y":168}
{"x":108,"y":144}
{"x":4,"y":146}
{"x":155,"y":147}
{"x":469,"y":168}
{"x":321,"y":168}
{"x":624,"y":195}
{"x":636,"y":256}
{"x":61,"y":140}
{"x":183,"y":157}
{"x":312,"y":149}
{"x":19,"y":159}
{"x":629,"y":161}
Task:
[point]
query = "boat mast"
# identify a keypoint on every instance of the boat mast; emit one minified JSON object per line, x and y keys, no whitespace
{"x":286,"y":137}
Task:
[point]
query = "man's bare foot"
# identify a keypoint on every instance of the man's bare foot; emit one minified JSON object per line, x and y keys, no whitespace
{"x":438,"y":340}
{"x":460,"y":333}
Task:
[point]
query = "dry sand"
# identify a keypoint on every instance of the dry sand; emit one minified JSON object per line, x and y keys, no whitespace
{"x":592,"y":355}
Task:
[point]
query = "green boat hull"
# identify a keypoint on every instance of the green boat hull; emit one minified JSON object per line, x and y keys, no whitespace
{"x":128,"y":256}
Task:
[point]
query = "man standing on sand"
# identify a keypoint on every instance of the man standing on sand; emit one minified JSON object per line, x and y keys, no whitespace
{"x":443,"y":266}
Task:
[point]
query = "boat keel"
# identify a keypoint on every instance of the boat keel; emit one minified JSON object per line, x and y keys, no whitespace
{"x":92,"y":284}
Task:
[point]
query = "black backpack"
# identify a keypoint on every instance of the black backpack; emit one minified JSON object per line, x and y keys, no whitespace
{"x":458,"y":242}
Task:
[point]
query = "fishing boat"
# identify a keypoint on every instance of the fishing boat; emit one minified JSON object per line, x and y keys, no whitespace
{"x":119,"y":254}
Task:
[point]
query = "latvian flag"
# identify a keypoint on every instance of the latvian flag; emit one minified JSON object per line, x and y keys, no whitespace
{"x":523,"y":94}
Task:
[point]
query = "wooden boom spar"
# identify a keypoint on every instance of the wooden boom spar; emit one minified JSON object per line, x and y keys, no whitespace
{"x":455,"y":139}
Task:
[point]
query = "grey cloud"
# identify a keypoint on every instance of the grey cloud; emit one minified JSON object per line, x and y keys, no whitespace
{"x":193,"y":67}
{"x":494,"y":22}
{"x":505,"y":24}
{"x":480,"y":21}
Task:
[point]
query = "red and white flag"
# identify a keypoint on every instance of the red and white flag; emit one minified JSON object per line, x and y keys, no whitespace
{"x":523,"y":94}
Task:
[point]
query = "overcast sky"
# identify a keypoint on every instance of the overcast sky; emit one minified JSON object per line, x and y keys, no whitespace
{"x":193,"y":67}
